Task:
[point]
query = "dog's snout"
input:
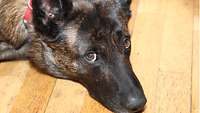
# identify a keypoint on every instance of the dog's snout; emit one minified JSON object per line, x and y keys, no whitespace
{"x":136,"y":104}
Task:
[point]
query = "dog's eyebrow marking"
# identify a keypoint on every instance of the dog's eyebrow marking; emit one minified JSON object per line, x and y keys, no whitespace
{"x":85,"y":6}
{"x":71,"y":33}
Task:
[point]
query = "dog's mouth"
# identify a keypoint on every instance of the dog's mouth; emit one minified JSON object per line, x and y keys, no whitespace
{"x":139,"y":110}
{"x":126,"y":110}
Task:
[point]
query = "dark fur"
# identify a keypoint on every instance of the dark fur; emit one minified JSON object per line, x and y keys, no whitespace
{"x":64,"y":34}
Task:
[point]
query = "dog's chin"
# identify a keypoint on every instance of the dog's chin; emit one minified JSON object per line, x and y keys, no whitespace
{"x":115,"y":107}
{"x":125,"y":110}
{"x":128,"y":111}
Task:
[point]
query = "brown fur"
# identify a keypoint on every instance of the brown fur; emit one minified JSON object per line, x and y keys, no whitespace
{"x":86,"y":41}
{"x":11,"y":13}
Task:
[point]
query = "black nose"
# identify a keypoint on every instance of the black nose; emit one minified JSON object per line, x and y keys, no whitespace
{"x":136,"y":104}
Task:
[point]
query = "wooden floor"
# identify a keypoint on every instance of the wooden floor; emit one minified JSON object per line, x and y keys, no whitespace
{"x":165,"y":57}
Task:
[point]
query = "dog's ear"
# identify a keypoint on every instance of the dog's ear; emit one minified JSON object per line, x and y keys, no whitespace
{"x":125,"y":5}
{"x":49,"y":15}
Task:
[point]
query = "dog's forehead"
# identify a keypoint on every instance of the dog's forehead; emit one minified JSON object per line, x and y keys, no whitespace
{"x":90,"y":5}
{"x":95,"y":24}
{"x":82,"y":5}
{"x":80,"y":40}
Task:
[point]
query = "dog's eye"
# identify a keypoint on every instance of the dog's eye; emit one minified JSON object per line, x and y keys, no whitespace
{"x":51,"y":15}
{"x":91,"y":57}
{"x":127,"y":43}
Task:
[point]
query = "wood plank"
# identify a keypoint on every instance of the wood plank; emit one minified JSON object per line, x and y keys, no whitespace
{"x":133,"y":8}
{"x":92,"y":106}
{"x":173,"y":93}
{"x":174,"y":80}
{"x":177,"y":36}
{"x":195,"y":63}
{"x":162,"y":53}
{"x":34,"y":94}
{"x":12,"y":75}
{"x":67,"y":97}
{"x":146,"y":47}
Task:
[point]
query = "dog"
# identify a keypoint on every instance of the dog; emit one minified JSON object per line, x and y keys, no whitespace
{"x":86,"y":41}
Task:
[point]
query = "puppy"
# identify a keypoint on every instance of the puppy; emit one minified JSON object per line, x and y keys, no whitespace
{"x":86,"y":41}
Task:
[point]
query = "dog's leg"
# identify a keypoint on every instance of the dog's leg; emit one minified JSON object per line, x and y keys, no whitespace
{"x":4,"y":46}
{"x":7,"y":52}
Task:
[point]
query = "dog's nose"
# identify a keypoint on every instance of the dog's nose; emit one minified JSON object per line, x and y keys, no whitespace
{"x":136,"y":104}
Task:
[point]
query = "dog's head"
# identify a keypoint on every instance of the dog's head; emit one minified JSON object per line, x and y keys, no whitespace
{"x":88,"y":41}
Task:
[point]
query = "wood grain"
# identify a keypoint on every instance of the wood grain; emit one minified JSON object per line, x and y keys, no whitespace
{"x":92,"y":106}
{"x":67,"y":97}
{"x":195,"y":61}
{"x":162,"y":54}
{"x":133,"y":9}
{"x":34,"y":94}
{"x":12,"y":75}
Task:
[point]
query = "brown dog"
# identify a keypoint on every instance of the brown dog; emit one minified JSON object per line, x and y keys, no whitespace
{"x":86,"y":41}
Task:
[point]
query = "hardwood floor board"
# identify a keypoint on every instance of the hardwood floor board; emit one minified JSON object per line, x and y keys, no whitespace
{"x":177,"y":37}
{"x":34,"y":94}
{"x":195,"y":61}
{"x":162,"y":41}
{"x":146,"y":47}
{"x":67,"y":97}
{"x":173,"y":93}
{"x":92,"y":106}
{"x":12,"y":75}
